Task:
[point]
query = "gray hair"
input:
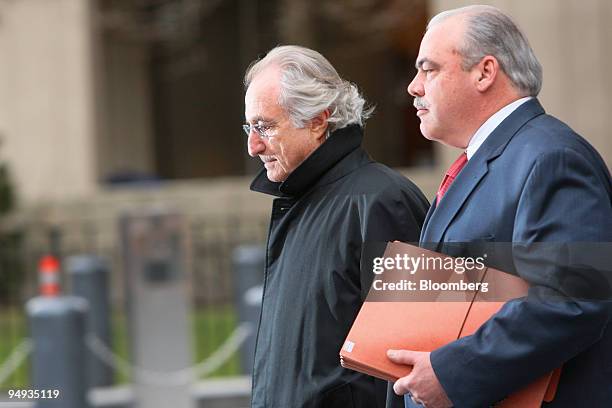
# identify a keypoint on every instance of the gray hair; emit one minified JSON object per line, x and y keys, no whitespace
{"x":310,"y":85}
{"x":491,"y":32}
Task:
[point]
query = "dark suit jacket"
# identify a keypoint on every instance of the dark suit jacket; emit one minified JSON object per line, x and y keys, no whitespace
{"x":532,"y":180}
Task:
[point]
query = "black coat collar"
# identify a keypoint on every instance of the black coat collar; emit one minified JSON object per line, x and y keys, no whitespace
{"x":340,"y":143}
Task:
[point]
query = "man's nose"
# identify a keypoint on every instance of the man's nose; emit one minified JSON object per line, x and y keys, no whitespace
{"x":415,"y":88}
{"x":255,"y":144}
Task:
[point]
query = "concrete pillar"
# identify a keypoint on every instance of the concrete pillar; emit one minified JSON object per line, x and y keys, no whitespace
{"x":127,"y":143}
{"x":47,"y":113}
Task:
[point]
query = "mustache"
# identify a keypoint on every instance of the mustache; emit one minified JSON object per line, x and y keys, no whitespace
{"x":266,"y":158}
{"x":420,"y":103}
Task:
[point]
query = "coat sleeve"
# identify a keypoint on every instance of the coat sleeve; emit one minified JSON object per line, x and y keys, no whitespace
{"x":396,"y":213}
{"x":565,"y":199}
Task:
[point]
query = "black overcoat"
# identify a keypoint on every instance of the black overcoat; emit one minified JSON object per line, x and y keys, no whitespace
{"x":336,"y":200}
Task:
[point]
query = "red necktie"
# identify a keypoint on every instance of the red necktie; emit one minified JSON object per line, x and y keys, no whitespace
{"x":451,"y":173}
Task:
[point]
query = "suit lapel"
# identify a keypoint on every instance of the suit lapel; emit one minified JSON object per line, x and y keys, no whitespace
{"x":453,"y":200}
{"x":431,"y":210}
{"x":439,"y":218}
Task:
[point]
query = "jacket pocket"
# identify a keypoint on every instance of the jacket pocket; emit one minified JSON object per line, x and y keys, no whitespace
{"x":338,"y":397}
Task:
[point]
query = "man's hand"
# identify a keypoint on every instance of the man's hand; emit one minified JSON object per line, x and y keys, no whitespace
{"x":421,"y":383}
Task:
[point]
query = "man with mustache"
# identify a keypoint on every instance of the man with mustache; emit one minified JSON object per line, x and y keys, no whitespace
{"x":306,"y":124}
{"x":527,"y":179}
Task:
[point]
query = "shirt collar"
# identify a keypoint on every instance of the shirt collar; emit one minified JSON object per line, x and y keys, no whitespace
{"x":489,"y":126}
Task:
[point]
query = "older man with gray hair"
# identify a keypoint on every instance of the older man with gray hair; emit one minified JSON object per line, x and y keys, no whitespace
{"x":306,"y":125}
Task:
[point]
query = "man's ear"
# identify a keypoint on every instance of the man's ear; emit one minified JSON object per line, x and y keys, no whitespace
{"x":486,"y":73}
{"x":319,"y":125}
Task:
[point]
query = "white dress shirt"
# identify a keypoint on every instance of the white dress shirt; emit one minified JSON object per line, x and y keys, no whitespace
{"x":489,"y":126}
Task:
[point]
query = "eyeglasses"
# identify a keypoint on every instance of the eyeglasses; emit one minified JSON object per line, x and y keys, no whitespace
{"x":265,"y":131}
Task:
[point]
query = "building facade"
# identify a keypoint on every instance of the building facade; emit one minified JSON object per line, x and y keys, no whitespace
{"x":96,"y":92}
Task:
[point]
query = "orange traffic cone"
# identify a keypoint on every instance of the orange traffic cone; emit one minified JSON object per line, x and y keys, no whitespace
{"x":48,"y":272}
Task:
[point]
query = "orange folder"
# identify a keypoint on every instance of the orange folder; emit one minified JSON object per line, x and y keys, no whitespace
{"x":424,"y":320}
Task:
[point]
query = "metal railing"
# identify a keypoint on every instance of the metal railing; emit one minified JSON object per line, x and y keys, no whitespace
{"x":211,"y":242}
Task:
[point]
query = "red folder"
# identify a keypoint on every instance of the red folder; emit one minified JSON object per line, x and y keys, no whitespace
{"x":432,"y":318}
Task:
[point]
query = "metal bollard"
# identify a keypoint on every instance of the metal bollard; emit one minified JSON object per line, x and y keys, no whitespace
{"x":57,"y":327}
{"x":157,"y":278}
{"x":90,"y":280}
{"x":248,"y":266}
